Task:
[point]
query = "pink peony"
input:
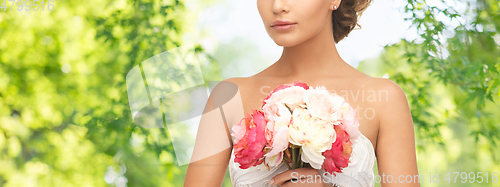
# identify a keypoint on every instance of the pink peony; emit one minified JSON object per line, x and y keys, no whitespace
{"x":350,"y":123}
{"x":250,"y":140}
{"x":278,"y":143}
{"x":338,"y":156}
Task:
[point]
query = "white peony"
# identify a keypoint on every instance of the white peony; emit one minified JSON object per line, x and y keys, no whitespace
{"x":313,"y":134}
{"x":322,"y":104}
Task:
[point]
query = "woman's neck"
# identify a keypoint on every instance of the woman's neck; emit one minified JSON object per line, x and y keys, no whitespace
{"x":317,"y":56}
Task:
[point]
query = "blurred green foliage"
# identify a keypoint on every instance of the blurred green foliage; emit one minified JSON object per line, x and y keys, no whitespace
{"x":452,"y":86}
{"x":472,"y":63}
{"x":474,"y":56}
{"x":75,"y":128}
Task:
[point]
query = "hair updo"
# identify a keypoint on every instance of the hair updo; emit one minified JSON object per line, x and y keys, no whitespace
{"x":345,"y":17}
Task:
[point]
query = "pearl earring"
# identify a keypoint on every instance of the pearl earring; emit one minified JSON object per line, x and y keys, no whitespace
{"x":335,"y":7}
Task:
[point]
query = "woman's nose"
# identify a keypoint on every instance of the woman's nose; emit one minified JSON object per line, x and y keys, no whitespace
{"x":280,"y":6}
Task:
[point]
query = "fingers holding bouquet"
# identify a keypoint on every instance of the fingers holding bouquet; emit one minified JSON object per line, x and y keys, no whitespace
{"x":299,"y":177}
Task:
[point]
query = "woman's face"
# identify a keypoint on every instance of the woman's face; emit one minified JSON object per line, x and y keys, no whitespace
{"x":309,"y":18}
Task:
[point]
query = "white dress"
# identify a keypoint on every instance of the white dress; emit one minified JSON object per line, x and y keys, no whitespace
{"x":359,"y":172}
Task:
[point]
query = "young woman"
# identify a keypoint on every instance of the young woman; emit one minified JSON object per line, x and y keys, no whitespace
{"x":309,"y":30}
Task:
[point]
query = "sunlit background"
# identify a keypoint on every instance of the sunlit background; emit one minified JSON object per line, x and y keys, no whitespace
{"x":64,"y":112}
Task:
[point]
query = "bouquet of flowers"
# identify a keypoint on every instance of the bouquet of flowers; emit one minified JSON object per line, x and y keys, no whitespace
{"x":299,"y":125}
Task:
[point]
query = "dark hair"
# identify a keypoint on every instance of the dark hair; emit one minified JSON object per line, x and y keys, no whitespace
{"x":345,"y":17}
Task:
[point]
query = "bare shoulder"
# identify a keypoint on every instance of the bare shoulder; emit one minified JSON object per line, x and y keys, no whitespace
{"x":394,"y":91}
{"x":396,"y":106}
{"x":229,"y":85}
{"x":392,"y":100}
{"x":222,"y":93}
{"x":389,"y":84}
{"x":238,"y":81}
{"x":229,"y":94}
{"x":227,"y":89}
{"x":378,"y":83}
{"x":395,"y":149}
{"x":242,"y":84}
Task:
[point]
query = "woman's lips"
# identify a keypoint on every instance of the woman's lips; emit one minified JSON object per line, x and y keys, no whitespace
{"x":284,"y":27}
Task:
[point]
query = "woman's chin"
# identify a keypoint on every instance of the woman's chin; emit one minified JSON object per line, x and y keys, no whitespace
{"x":285,"y":42}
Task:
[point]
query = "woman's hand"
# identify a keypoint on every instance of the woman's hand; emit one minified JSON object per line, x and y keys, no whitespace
{"x":299,"y":177}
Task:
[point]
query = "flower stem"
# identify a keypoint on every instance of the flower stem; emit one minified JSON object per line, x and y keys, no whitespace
{"x":286,"y":163}
{"x":296,"y":155}
{"x":286,"y":160}
{"x":301,"y":163}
